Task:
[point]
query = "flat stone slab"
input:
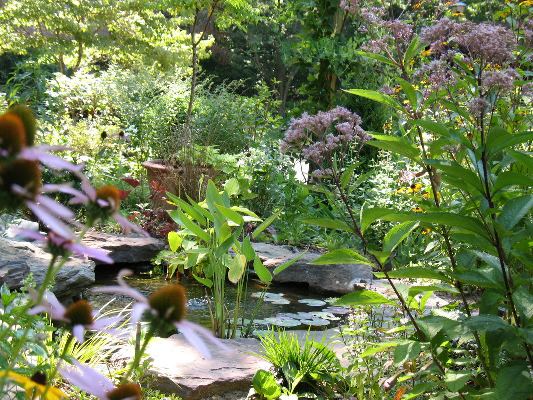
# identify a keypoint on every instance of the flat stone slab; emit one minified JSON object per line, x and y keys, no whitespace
{"x":178,"y":368}
{"x":124,"y":249}
{"x":18,"y":259}
{"x":341,"y":279}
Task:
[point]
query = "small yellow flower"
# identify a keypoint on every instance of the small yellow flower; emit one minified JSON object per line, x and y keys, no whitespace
{"x":414,"y":188}
{"x":425,"y":231}
{"x":35,"y":386}
{"x":418,"y":209}
{"x":426,"y":53}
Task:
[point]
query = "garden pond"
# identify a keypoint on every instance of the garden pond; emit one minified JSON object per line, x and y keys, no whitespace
{"x":288,"y":306}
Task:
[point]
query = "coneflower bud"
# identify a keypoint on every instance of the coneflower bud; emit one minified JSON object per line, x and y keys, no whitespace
{"x":12,"y":135}
{"x":28,"y":119}
{"x":130,"y":391}
{"x":80,"y":313}
{"x":39,"y":377}
{"x":110,"y":194}
{"x":169,"y":302}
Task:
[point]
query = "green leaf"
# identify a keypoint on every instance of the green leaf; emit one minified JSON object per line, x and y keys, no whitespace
{"x":503,"y":141}
{"x":265,"y":384}
{"x":414,"y":48}
{"x":204,"y":281}
{"x":514,"y":383}
{"x":189,"y":209}
{"x":363,"y":297}
{"x":414,"y":290}
{"x":265,"y":224}
{"x":514,"y":210}
{"x":247,"y":249}
{"x":347,"y":175}
{"x":486,"y":322}
{"x":370,"y":215}
{"x":406,"y":351}
{"x":377,"y":96}
{"x":409,"y":91}
{"x":262,"y":272}
{"x":341,"y":256}
{"x":510,"y":178}
{"x":232,"y":187}
{"x":375,"y":56}
{"x":455,"y":381}
{"x":522,"y":158}
{"x":237,"y":268}
{"x":183,"y":220}
{"x":282,"y":267}
{"x":328,"y":223}
{"x":460,"y":173}
{"x":523,"y":300}
{"x":431,"y":126}
{"x":378,"y":349}
{"x":397,"y":145}
{"x":397,"y":234}
{"x":174,"y":240}
{"x":230,"y":214}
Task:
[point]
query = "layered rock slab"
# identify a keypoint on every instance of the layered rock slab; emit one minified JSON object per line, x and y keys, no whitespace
{"x":18,"y":259}
{"x":341,"y":279}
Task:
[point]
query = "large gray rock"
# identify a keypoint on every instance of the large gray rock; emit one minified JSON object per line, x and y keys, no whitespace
{"x":340,"y":279}
{"x":18,"y":259}
{"x":124,"y":249}
{"x":178,"y":368}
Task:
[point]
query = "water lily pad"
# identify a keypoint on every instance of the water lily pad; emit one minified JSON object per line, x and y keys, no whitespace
{"x":267,"y":295}
{"x":279,"y":301}
{"x":305,"y":315}
{"x":285,"y":322}
{"x":312,"y":302}
{"x":288,"y":315}
{"x":315,"y":322}
{"x":326,"y":315}
{"x":337,"y":310}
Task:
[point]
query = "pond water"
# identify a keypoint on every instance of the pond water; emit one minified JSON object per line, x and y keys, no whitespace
{"x":288,"y":306}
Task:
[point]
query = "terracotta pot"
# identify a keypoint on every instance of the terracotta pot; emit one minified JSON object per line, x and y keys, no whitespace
{"x":176,"y":179}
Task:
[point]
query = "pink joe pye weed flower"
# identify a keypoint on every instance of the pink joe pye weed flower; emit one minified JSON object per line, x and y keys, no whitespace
{"x":166,"y":305}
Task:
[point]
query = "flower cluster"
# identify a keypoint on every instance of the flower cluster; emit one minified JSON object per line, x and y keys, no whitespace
{"x":484,"y":42}
{"x":437,"y":73}
{"x":350,"y":6}
{"x":502,"y":81}
{"x":398,"y":36}
{"x":316,"y":138}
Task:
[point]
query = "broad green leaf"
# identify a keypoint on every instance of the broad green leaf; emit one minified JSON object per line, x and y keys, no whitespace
{"x":230,"y":214}
{"x":189,"y":209}
{"x":514,"y":382}
{"x":376,"y":96}
{"x":204,"y":281}
{"x":341,"y":256}
{"x":265,"y":224}
{"x":375,"y":56}
{"x":237,"y":268}
{"x":363,"y":297}
{"x":514,"y":210}
{"x":486,"y":322}
{"x":262,"y":272}
{"x":346,"y":176}
{"x":523,"y":300}
{"x":247,"y":249}
{"x":265,"y":384}
{"x":213,"y":197}
{"x":232,"y":187}
{"x":432,"y":126}
{"x":409,"y":91}
{"x":406,"y":351}
{"x":183,"y":220}
{"x":412,"y":50}
{"x":416,"y":273}
{"x":282,"y":267}
{"x":510,"y":178}
{"x":174,"y":240}
{"x":419,"y":390}
{"x":328,"y":223}
{"x":455,"y":381}
{"x":378,"y":349}
{"x":397,"y":234}
{"x":522,"y":158}
{"x":460,"y":173}
{"x":501,"y":142}
{"x":414,"y":290}
{"x":370,"y":215}
{"x":487,"y":278}
{"x":397,"y":145}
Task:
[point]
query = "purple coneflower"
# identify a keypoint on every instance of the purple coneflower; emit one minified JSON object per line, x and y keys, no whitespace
{"x":91,"y":381}
{"x":79,"y":315}
{"x":167,"y":305}
{"x":64,"y":247}
{"x":103,"y":203}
